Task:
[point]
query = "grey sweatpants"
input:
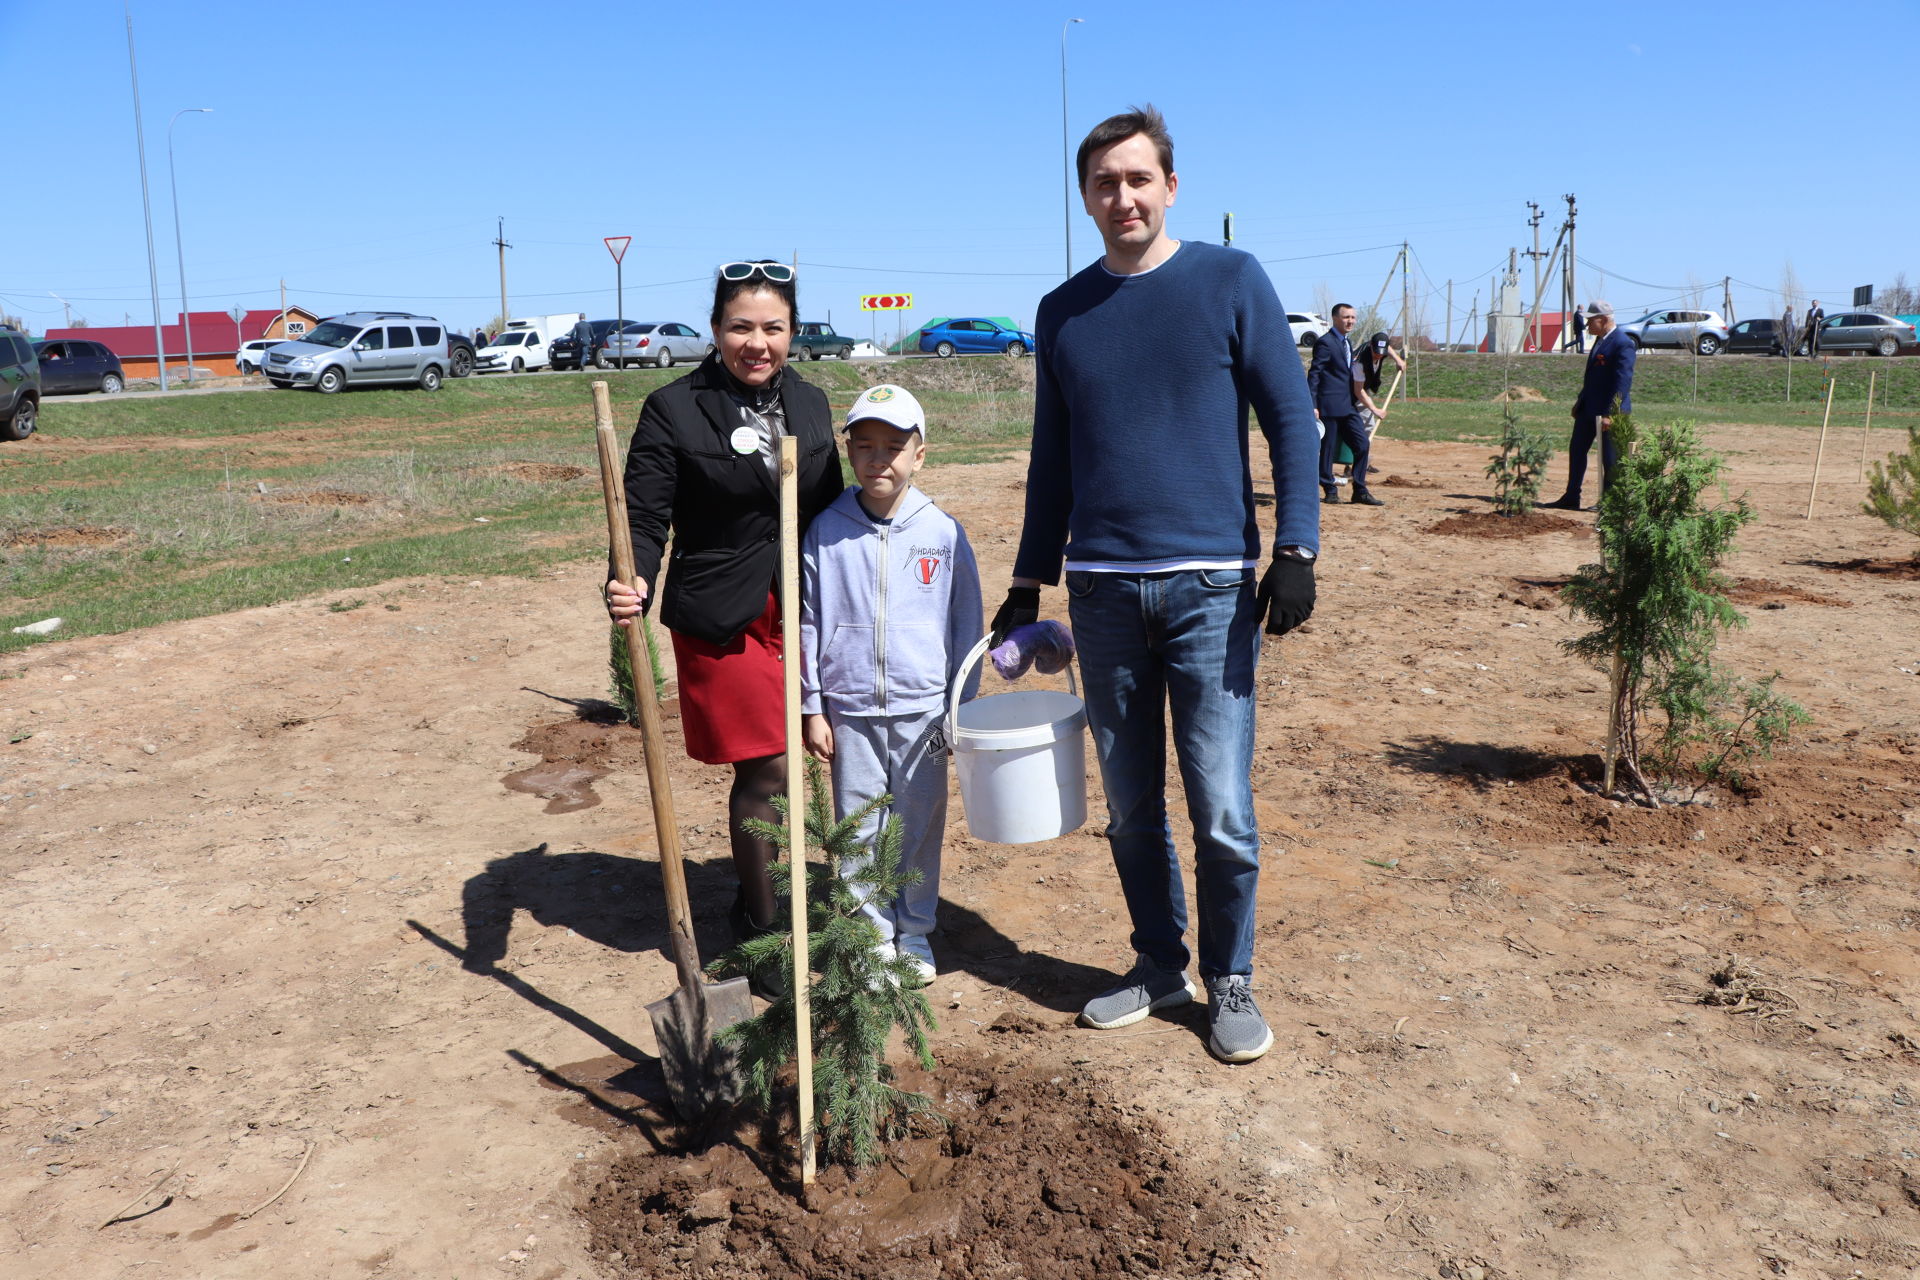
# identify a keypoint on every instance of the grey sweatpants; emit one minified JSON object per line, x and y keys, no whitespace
{"x":889,"y":755}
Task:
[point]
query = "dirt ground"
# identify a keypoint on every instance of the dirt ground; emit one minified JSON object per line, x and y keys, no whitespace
{"x":296,"y":986}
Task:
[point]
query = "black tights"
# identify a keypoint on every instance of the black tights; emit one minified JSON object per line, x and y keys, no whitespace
{"x":755,"y":784}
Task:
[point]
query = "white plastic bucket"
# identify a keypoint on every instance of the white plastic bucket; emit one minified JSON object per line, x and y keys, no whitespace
{"x":1022,"y":759}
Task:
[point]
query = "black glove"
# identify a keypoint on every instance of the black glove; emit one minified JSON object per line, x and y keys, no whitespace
{"x":1021,"y":606}
{"x":1286,"y":594}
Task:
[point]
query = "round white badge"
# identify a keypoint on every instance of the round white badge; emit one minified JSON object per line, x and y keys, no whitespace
{"x":745,"y":440}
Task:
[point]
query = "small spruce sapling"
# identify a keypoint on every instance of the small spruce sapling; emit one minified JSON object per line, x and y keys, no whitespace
{"x":1893,"y":494}
{"x":620,"y":670}
{"x":1659,"y":604}
{"x":1516,"y":471}
{"x":859,"y":994}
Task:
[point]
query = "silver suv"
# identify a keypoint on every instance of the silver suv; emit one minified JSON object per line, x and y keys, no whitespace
{"x":1704,"y":331}
{"x":362,"y":347}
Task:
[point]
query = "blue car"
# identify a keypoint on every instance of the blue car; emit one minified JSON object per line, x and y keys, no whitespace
{"x":974,"y":335}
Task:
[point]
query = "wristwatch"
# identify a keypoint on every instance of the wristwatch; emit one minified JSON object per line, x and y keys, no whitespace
{"x":1302,"y":554}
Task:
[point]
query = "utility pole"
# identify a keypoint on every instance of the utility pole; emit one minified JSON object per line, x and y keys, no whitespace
{"x":1448,"y":331}
{"x":500,"y":242}
{"x":1726,"y":298}
{"x":1534,"y":253}
{"x":1227,"y":232}
{"x":1573,"y":294}
{"x":283,"y":306}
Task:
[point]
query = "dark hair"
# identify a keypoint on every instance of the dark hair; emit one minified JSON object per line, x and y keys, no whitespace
{"x":1142,"y":119}
{"x":725,"y":291}
{"x":1338,"y":307}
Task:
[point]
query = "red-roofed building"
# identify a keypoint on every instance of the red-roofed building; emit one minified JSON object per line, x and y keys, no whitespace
{"x":216,"y":340}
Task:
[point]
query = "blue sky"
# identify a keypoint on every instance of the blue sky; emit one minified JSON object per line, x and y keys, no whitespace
{"x":363,"y":152}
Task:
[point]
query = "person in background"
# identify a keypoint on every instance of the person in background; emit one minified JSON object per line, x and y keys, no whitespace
{"x":1330,"y":381}
{"x":1815,"y":318}
{"x":1607,"y":387}
{"x":1789,"y":332}
{"x":703,"y":469}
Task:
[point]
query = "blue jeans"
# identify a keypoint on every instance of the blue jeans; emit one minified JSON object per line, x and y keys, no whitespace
{"x":1187,"y":640}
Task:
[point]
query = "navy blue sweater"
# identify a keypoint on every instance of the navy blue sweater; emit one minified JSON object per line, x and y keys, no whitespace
{"x":1140,"y":444}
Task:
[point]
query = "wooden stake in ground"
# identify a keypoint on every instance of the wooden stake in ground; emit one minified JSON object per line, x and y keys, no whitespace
{"x":796,"y":793}
{"x":1821,"y":448}
{"x":1873,"y":376}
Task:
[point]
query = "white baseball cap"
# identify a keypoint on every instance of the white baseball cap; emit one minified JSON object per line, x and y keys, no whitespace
{"x":892,"y":405}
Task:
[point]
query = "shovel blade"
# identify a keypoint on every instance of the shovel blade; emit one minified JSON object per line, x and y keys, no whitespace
{"x":702,"y":1075}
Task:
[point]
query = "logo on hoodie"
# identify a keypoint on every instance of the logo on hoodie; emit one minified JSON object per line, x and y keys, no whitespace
{"x":927,"y":563}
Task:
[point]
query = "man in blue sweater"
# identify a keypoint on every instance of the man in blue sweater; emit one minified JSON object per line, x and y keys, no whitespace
{"x":1140,"y":480}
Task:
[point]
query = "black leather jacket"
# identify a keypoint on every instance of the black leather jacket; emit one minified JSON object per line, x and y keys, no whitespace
{"x":723,"y":507}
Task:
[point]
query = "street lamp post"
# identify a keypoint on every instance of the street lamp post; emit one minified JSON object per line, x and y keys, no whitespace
{"x":1066,"y":156}
{"x":186,"y":316}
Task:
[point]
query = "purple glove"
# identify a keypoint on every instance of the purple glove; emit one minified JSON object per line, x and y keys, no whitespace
{"x":1047,"y":647}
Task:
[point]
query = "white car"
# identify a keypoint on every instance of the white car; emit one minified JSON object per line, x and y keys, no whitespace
{"x":515,"y":351}
{"x":253,"y":354}
{"x":1686,"y":330}
{"x":1307,"y":327}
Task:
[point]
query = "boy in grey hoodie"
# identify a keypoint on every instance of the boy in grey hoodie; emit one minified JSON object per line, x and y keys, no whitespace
{"x":890,"y":605}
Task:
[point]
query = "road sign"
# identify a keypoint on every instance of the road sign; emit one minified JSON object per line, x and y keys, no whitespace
{"x":617,"y":246}
{"x":1863,"y":296}
{"x":887,"y":302}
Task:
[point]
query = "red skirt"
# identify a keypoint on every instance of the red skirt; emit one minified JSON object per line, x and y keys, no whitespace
{"x":733,"y":697}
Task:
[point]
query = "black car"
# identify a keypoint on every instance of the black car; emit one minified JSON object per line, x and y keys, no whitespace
{"x":1758,"y":337}
{"x":460,"y":354}
{"x":585,"y":344}
{"x":71,"y":366}
{"x":19,"y":386}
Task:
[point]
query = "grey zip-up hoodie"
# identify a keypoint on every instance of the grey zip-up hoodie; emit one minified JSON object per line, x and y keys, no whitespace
{"x":888,"y":611}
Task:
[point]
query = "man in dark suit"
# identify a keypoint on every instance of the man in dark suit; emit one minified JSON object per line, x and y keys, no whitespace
{"x":1330,"y":383}
{"x":1608,"y":388}
{"x":1815,"y":318}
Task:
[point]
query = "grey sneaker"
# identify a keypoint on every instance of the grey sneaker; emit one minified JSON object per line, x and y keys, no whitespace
{"x":1146,"y":987}
{"x":1239,"y":1033}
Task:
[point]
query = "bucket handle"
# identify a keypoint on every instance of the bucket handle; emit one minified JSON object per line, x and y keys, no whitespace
{"x":960,"y":682}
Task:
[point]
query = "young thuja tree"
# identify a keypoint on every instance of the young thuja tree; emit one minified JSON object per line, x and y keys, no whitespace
{"x":620,"y":670}
{"x":1658,"y":603}
{"x":1893,"y":494}
{"x":859,"y":995}
{"x":1516,"y":471}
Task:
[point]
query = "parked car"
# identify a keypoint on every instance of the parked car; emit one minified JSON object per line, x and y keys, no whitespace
{"x":74,"y":366}
{"x":813,"y":340}
{"x":952,"y":337}
{"x":363,"y":348}
{"x":655,"y":342}
{"x":19,"y":386}
{"x":515,"y":351}
{"x":1758,"y":337}
{"x":460,"y":354}
{"x":1867,"y":331}
{"x":1704,"y":331}
{"x":252,"y":355}
{"x":585,"y":344}
{"x":1307,"y":327}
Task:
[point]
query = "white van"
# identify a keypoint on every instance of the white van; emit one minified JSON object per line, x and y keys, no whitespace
{"x":544,"y":330}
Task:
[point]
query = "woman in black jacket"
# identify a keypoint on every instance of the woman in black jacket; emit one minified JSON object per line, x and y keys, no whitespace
{"x":704,"y":465}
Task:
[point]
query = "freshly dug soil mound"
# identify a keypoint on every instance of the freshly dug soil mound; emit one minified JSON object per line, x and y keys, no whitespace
{"x":1519,"y":395}
{"x":1813,"y":803}
{"x":1039,"y":1172}
{"x":77,"y":535}
{"x":1774,"y":595}
{"x":538,"y":472}
{"x":1409,"y":482}
{"x":1897,"y":570}
{"x":322,"y":498}
{"x":1490,"y":524}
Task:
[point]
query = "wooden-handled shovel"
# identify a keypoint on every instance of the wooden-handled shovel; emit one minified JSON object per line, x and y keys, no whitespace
{"x":700,"y":1073}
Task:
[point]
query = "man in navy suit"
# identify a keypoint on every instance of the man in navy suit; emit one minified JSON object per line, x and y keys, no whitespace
{"x":1608,"y":386}
{"x":1330,"y":383}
